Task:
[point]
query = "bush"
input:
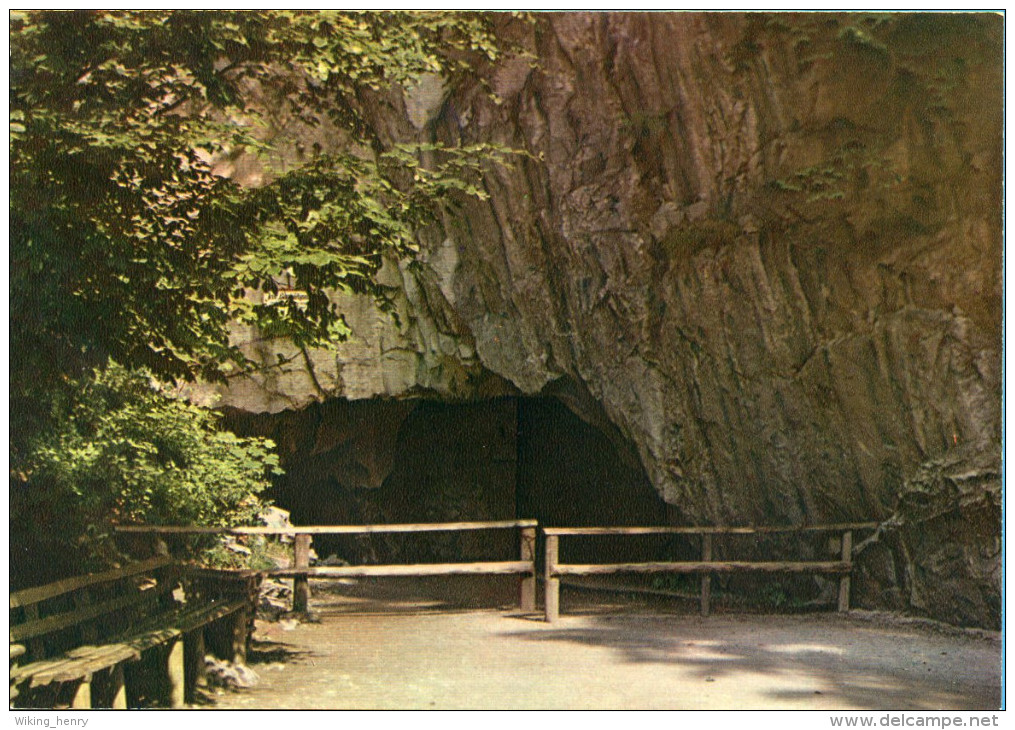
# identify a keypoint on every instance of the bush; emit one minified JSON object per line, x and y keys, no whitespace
{"x":123,"y":452}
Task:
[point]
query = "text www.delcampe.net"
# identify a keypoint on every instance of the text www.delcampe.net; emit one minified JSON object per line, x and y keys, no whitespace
{"x":903,"y":720}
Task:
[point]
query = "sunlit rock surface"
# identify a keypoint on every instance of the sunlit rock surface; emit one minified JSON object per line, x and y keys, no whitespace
{"x":769,"y":248}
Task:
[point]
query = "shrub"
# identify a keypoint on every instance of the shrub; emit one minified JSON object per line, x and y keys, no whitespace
{"x":124,"y":452}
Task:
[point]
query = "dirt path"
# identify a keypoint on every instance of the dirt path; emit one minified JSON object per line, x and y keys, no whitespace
{"x":383,"y":648}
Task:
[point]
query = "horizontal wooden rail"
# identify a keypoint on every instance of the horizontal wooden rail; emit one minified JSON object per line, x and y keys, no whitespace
{"x":727,"y":566}
{"x":301,"y":571}
{"x":554,"y":569}
{"x":28,"y":596}
{"x":707,"y":530}
{"x":326,"y":529}
{"x":506,"y":567}
{"x":41,"y":626}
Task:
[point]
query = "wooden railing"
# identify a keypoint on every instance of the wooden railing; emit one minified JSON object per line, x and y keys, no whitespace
{"x":554,"y":569}
{"x":525,"y":566}
{"x":301,"y":571}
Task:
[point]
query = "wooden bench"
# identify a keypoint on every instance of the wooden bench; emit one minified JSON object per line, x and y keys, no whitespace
{"x":132,"y":635}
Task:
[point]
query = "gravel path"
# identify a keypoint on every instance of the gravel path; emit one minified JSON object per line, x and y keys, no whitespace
{"x":383,"y":647}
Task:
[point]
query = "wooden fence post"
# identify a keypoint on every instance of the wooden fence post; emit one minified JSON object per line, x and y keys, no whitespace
{"x":36,"y":648}
{"x":301,"y":584}
{"x":175,"y":670}
{"x":847,"y":557}
{"x":83,"y":695}
{"x":527,"y":585}
{"x":194,"y":652}
{"x":88,"y":632}
{"x":118,"y":688}
{"x":240,"y":634}
{"x":552,"y":583}
{"x":706,"y":578}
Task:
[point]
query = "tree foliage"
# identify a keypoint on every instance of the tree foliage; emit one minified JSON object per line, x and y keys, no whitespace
{"x":126,"y":243}
{"x":124,"y":453}
{"x":130,"y":248}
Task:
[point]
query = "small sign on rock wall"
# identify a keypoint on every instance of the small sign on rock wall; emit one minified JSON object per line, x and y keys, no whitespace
{"x":300,"y":298}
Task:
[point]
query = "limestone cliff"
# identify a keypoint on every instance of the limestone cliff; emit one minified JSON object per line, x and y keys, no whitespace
{"x":769,"y":247}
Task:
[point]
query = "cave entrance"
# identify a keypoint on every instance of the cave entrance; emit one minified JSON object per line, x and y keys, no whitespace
{"x":571,"y":473}
{"x":362,"y":462}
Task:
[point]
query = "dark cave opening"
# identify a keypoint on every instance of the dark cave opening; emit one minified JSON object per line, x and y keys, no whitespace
{"x":423,"y":461}
{"x":367,"y":462}
{"x":571,"y":474}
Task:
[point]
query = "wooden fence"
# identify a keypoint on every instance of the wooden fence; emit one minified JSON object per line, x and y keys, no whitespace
{"x":301,"y":571}
{"x":554,"y":569}
{"x":525,"y":566}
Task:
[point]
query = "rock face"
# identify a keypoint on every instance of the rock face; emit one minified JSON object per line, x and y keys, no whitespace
{"x":769,"y":248}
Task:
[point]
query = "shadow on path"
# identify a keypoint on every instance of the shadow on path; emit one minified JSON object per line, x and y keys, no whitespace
{"x":424,"y":646}
{"x":852,"y":663}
